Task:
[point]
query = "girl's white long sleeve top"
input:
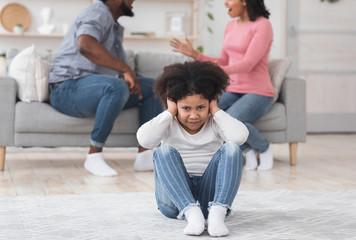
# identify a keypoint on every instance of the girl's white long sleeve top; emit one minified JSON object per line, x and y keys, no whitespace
{"x":197,"y":149}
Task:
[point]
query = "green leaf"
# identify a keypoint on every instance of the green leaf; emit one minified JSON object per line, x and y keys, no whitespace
{"x":210,"y":30}
{"x":210,"y":16}
{"x":200,"y":48}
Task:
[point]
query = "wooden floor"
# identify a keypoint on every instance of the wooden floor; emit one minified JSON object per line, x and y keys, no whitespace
{"x":324,"y":162}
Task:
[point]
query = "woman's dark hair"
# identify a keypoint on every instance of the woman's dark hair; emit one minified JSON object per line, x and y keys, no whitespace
{"x":256,"y":8}
{"x":185,"y":79}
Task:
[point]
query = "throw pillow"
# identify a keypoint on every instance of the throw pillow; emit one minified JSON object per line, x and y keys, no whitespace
{"x":42,"y":70}
{"x":22,"y":68}
{"x":278,"y":69}
{"x":31,"y":72}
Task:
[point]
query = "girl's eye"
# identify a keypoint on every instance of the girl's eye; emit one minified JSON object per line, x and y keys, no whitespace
{"x":201,"y":107}
{"x":186,"y":108}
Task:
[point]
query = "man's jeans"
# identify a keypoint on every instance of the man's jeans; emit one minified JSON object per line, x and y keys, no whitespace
{"x":104,"y":97}
{"x":175,"y":190}
{"x":248,"y":108}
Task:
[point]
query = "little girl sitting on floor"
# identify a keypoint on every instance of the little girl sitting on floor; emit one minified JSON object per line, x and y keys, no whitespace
{"x":198,"y":166}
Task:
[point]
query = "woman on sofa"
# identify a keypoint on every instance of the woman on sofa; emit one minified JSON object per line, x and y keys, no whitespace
{"x":244,"y":56}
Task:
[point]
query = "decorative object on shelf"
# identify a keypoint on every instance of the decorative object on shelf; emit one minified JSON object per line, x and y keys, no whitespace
{"x":145,"y":34}
{"x":330,"y":1}
{"x":176,"y":24}
{"x":47,"y":27}
{"x":18,"y":29}
{"x":14,"y":14}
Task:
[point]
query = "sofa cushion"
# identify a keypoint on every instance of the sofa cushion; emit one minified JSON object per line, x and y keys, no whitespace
{"x":22,"y":69}
{"x":151,"y":64}
{"x":42,"y":118}
{"x":278,"y":69}
{"x":274,"y":120}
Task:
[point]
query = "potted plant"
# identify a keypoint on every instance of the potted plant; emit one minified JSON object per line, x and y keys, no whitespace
{"x":18,"y":29}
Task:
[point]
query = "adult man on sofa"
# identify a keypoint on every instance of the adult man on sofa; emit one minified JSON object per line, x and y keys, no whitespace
{"x":90,"y":77}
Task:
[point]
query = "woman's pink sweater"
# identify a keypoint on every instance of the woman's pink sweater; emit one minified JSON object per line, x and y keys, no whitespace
{"x":245,"y":56}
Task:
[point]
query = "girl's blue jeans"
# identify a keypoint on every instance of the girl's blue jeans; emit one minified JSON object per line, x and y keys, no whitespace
{"x":104,"y":97}
{"x":248,"y":108}
{"x":175,"y":190}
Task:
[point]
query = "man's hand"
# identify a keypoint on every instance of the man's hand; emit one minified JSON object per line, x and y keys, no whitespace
{"x":184,"y":48}
{"x":134,"y":84}
{"x":172,"y":107}
{"x":213,"y":106}
{"x":90,"y":48}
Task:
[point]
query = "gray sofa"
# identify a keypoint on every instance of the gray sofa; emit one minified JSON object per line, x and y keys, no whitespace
{"x":37,"y":124}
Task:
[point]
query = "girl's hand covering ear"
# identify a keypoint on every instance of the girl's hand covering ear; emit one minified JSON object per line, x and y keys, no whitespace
{"x":172,"y":107}
{"x":213,"y":106}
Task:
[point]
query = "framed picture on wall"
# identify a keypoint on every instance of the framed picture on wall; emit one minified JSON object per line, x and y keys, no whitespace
{"x":176,"y":24}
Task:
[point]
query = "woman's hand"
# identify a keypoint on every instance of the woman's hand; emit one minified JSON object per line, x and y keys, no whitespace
{"x":213,"y":107}
{"x":172,"y":107}
{"x":184,"y":48}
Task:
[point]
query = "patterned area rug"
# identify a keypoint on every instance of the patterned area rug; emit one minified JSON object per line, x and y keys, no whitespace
{"x":257,"y":215}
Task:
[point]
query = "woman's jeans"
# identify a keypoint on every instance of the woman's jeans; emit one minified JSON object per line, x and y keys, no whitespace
{"x":248,"y":108}
{"x":175,"y":190}
{"x":104,"y":97}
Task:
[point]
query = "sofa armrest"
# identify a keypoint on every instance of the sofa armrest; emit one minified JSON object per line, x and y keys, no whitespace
{"x":8,"y":93}
{"x":293,"y":96}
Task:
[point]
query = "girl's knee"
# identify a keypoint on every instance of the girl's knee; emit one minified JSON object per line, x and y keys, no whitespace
{"x":163,"y":153}
{"x":233,"y":149}
{"x":164,"y":150}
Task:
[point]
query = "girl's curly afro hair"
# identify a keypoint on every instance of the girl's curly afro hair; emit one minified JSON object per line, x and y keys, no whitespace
{"x":180,"y":80}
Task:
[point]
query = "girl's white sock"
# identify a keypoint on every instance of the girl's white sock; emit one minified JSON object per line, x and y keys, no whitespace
{"x":144,"y":161}
{"x":251,"y":160}
{"x":96,"y":165}
{"x":196,"y":221}
{"x":266,"y":159}
{"x":216,"y":221}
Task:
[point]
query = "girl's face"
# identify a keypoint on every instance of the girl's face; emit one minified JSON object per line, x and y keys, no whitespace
{"x":193,"y":111}
{"x":236,"y":8}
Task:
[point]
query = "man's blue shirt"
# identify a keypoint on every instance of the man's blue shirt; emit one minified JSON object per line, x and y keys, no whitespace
{"x":97,"y":22}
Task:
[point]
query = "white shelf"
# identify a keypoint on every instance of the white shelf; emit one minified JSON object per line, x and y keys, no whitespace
{"x":130,"y":37}
{"x":31,"y":35}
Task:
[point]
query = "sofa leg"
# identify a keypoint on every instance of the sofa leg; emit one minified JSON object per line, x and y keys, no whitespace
{"x":293,"y":153}
{"x":2,"y":158}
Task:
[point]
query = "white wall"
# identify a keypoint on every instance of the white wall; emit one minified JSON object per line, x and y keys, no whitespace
{"x":213,"y":42}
